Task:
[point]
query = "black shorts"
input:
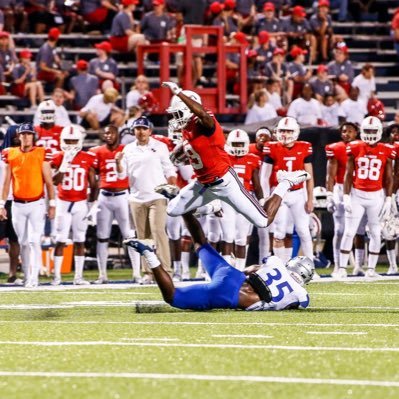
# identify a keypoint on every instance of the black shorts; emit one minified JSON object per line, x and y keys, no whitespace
{"x":6,"y":227}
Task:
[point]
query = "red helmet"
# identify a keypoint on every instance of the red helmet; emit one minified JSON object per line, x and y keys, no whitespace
{"x":376,"y":108}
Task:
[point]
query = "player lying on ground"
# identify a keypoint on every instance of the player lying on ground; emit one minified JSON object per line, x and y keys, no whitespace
{"x":271,"y":286}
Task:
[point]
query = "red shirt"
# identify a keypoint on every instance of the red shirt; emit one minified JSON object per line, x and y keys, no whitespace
{"x":74,"y":185}
{"x":289,"y":159}
{"x":254,"y":150}
{"x":105,"y":165}
{"x":396,"y":147}
{"x":207,"y":155}
{"x":244,"y":167}
{"x":49,"y":138}
{"x":370,"y":164}
{"x":338,"y":151}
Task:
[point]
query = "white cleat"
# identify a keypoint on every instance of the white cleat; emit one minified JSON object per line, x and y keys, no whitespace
{"x":340,"y":274}
{"x":31,"y":284}
{"x":371,"y":273}
{"x":294,"y":178}
{"x":56,"y":281}
{"x":167,"y":190}
{"x":208,"y":209}
{"x":101,"y":280}
{"x":80,"y":281}
{"x":316,"y":276}
{"x":358,"y":271}
{"x":186,"y":276}
{"x":392,"y":270}
{"x":176,"y":278}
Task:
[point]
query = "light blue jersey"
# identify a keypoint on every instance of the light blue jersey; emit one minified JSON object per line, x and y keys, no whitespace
{"x":286,"y":291}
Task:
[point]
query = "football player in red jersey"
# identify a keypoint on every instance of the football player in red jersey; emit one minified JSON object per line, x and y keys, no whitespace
{"x":290,"y":155}
{"x":112,"y":203}
{"x":74,"y":174}
{"x":48,"y":133}
{"x":336,"y":166}
{"x":235,"y":227}
{"x":203,"y":143}
{"x":368,"y":174}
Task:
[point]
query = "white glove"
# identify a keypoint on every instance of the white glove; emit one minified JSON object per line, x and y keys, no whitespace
{"x":386,"y":209}
{"x":347,"y":203}
{"x":331,"y":205}
{"x":93,"y":209}
{"x":174,"y":88}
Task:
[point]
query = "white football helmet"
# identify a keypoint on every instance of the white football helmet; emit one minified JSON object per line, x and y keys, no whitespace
{"x":320,"y":197}
{"x":46,"y":111}
{"x":287,"y":130}
{"x":301,"y":266}
{"x":237,"y":143}
{"x":179,"y":110}
{"x":371,"y":130}
{"x":174,"y":132}
{"x":71,"y":133}
{"x":390,"y":228}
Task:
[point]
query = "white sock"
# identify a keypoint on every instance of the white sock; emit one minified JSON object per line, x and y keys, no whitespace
{"x":151,"y":259}
{"x":135,"y":261}
{"x":280,"y":253}
{"x":359,"y":257}
{"x":391,"y":254}
{"x":343,"y":260}
{"x":79,"y":264}
{"x":102,"y":257}
{"x":227,"y":258}
{"x":307,"y":247}
{"x":288,"y":253}
{"x":282,"y":188}
{"x":185,"y":262}
{"x":177,"y":267}
{"x":373,"y":259}
{"x":57,"y":266}
{"x":25,"y":259}
{"x":336,"y":247}
{"x":240,"y":263}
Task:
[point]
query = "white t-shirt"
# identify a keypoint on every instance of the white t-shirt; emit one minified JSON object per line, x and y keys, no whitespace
{"x":353,"y":111}
{"x":305,"y":112}
{"x":260,"y":114}
{"x":132,"y":98}
{"x":97,"y":105}
{"x":274,"y":100}
{"x":330,"y":114}
{"x":366,"y":87}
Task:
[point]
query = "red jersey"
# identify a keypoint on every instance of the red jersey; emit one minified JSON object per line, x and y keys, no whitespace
{"x":244,"y":167}
{"x":396,"y":147}
{"x":289,"y":159}
{"x":370,"y":164}
{"x":105,"y":165}
{"x":254,"y":150}
{"x":49,"y":138}
{"x":166,"y":140}
{"x":206,"y":153}
{"x":338,"y":151}
{"x":74,"y":185}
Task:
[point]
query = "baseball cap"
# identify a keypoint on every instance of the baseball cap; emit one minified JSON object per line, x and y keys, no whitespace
{"x":295,"y":51}
{"x":25,"y":53}
{"x":263,"y":130}
{"x":82,"y":65}
{"x":263,"y":37}
{"x":323,"y":3}
{"x":158,"y":2}
{"x":106,"y":46}
{"x":278,"y":51}
{"x":269,"y":6}
{"x":322,"y":68}
{"x":26,"y":127}
{"x":143,"y":121}
{"x":216,"y":7}
{"x":341,"y":46}
{"x":241,"y":38}
{"x":128,"y":3}
{"x":4,"y":34}
{"x":229,"y":5}
{"x":299,"y":11}
{"x":54,"y":33}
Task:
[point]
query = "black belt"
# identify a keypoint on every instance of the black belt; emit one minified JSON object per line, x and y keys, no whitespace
{"x":113,"y":193}
{"x":214,"y":183}
{"x":25,"y":201}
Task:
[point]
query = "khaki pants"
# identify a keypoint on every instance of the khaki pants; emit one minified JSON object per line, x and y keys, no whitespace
{"x":150,"y":221}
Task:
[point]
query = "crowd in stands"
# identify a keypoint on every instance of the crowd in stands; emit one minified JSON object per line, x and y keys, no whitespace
{"x":297,"y":66}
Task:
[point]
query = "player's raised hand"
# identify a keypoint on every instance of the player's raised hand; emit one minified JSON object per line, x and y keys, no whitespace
{"x":174,"y":88}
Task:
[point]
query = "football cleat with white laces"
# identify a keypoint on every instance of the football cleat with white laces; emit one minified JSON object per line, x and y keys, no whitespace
{"x":371,"y":273}
{"x":294,"y":178}
{"x":56,"y":281}
{"x":358,"y":271}
{"x":167,"y":190}
{"x":101,"y":280}
{"x":392,"y":270}
{"x":80,"y":281}
{"x":340,"y":273}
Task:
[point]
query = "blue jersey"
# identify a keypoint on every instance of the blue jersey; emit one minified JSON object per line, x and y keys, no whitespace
{"x":286,"y":291}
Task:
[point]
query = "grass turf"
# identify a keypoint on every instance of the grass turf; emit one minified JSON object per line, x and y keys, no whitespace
{"x":178,"y":354}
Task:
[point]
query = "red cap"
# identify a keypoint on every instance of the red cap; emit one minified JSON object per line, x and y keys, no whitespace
{"x":4,"y":34}
{"x":25,"y":53}
{"x":322,"y":68}
{"x":158,"y":2}
{"x":82,"y":65}
{"x":263,"y":37}
{"x":216,"y":7}
{"x":252,"y":54}
{"x":106,"y":46}
{"x":54,"y":33}
{"x":269,"y":6}
{"x":241,"y":38}
{"x":128,"y":3}
{"x":299,"y":11}
{"x":342,"y":46}
{"x":295,"y":51}
{"x":323,"y":3}
{"x":278,"y":51}
{"x":229,"y":4}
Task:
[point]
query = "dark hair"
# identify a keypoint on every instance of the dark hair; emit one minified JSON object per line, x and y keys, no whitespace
{"x":354,"y":125}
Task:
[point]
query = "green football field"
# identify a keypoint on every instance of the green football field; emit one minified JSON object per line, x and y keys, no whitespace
{"x":113,"y":342}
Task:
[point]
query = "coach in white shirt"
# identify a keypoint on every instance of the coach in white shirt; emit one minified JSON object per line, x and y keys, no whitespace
{"x":146,"y":163}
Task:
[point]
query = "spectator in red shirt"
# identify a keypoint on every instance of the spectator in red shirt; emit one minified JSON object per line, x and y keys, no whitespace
{"x":25,"y":84}
{"x":104,"y":66}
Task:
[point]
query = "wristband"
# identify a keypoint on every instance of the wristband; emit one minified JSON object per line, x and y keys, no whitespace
{"x":51,"y":203}
{"x":2,"y":204}
{"x":178,"y":91}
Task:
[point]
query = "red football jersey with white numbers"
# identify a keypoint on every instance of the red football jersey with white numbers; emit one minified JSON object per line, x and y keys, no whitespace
{"x":49,"y":138}
{"x":76,"y":179}
{"x":289,"y":159}
{"x":206,"y":153}
{"x":370,"y":164}
{"x":338,"y":151}
{"x":254,"y":150}
{"x":106,"y":167}
{"x":244,"y":167}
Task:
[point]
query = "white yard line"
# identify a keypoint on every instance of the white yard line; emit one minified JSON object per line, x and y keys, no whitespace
{"x":202,"y":377}
{"x":152,"y":339}
{"x":240,"y":336}
{"x":213,"y":346}
{"x":344,"y":294}
{"x":336,"y":332}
